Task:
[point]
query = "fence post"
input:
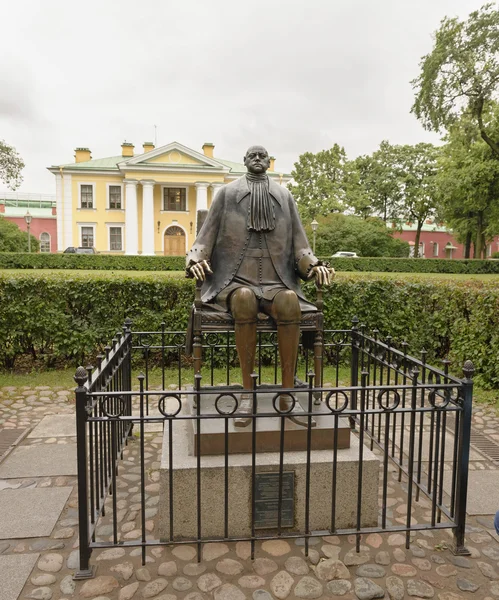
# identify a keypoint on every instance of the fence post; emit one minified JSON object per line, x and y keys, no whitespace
{"x":84,"y":570}
{"x":464,"y":459}
{"x":354,"y":368}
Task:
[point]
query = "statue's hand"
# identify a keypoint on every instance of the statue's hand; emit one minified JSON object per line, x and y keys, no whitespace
{"x":199,"y":270}
{"x":323,"y":275}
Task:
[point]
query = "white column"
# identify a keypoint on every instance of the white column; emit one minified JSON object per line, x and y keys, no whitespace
{"x":131,"y":218}
{"x":68,"y":214}
{"x":214,"y":189}
{"x":147,"y":218}
{"x":59,"y":203}
{"x":201,"y":195}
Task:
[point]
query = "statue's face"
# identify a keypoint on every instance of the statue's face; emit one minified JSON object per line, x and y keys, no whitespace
{"x":257,"y":160}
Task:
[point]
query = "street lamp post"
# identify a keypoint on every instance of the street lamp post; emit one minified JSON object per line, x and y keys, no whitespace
{"x":27,"y":218}
{"x":314,"y":229}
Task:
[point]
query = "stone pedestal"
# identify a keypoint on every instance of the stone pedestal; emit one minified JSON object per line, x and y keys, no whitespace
{"x":212,"y":435}
{"x":212,"y":487}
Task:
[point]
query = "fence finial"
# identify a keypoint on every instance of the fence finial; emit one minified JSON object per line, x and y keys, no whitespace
{"x":468,"y":369}
{"x":80,"y":376}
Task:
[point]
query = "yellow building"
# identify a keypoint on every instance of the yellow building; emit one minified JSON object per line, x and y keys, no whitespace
{"x":140,"y":204}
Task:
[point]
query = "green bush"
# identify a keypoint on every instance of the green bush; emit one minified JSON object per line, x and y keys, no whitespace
{"x":415,"y":265}
{"x":67,"y":318}
{"x":24,"y":260}
{"x":104,"y":262}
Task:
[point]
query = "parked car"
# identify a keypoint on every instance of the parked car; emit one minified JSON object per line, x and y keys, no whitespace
{"x":79,"y":250}
{"x":344,"y":254}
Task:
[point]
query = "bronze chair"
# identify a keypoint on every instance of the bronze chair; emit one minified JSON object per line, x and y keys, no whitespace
{"x":205,"y":321}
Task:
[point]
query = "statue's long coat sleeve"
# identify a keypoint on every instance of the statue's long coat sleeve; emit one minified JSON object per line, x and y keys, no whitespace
{"x":224,"y":238}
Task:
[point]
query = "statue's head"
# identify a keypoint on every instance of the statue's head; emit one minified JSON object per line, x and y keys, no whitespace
{"x":257,"y":160}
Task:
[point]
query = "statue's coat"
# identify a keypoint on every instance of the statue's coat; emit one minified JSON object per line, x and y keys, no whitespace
{"x":224,"y":237}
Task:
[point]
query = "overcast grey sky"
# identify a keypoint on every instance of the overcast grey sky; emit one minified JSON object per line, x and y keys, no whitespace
{"x":292,"y":75}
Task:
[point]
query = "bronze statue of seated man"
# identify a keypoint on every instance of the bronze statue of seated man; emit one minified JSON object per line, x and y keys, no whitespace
{"x":250,"y":254}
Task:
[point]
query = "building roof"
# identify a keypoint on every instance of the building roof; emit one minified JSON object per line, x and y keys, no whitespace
{"x":110,"y":163}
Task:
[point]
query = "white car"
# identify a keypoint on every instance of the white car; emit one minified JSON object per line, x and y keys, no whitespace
{"x":344,"y":255}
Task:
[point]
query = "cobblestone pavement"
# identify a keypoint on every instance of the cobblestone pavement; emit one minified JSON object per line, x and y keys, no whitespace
{"x":383,"y":568}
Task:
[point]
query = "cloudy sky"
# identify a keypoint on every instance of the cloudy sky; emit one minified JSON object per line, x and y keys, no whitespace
{"x":292,"y":75}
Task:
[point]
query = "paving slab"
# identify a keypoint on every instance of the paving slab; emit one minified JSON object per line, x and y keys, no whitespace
{"x":483,"y":491}
{"x":55,"y":426}
{"x":15,"y":570}
{"x":43,"y":460}
{"x":29,"y":513}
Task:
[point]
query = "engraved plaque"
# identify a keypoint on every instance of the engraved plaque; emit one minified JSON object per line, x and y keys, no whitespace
{"x":267,"y":500}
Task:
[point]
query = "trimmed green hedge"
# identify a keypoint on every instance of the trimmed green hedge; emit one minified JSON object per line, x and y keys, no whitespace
{"x":23,"y":260}
{"x":416,"y":265}
{"x":66,"y":318}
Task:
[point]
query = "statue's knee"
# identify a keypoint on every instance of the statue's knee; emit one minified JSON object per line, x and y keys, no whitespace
{"x":243,"y":305}
{"x":287,"y":306}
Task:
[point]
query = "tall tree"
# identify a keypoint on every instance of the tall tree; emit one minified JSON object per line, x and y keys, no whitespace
{"x":461,"y":74}
{"x":468,"y":183}
{"x":11,"y":165}
{"x":417,"y":167}
{"x":367,"y":237}
{"x":320,"y":182}
{"x":380,"y":179}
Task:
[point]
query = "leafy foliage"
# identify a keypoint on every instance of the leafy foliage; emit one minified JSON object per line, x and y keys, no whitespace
{"x":12,"y":239}
{"x":367,"y":237}
{"x":11,"y":165}
{"x":468,"y":183}
{"x":320,"y":182}
{"x":417,"y":169}
{"x":69,"y":318}
{"x":461,"y":74}
{"x":379,"y":180}
{"x":91,"y":262}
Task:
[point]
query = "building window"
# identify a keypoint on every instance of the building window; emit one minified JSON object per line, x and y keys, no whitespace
{"x":44,"y":242}
{"x":87,"y":237}
{"x":115,"y":239}
{"x":174,"y":198}
{"x":115,"y":197}
{"x":87,"y":196}
{"x":435,"y":250}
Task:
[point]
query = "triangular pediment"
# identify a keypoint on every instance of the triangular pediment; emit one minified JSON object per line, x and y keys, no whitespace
{"x":174,"y":155}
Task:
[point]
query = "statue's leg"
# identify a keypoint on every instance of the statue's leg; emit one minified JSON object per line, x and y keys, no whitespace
{"x":244,"y":309}
{"x":286,"y":312}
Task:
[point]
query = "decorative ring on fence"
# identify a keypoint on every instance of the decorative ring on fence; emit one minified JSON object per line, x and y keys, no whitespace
{"x":339,"y":338}
{"x":278,"y":396}
{"x":380,"y":354}
{"x":212,"y":339}
{"x":178,"y":340}
{"x":226,"y":412}
{"x":397,"y":361}
{"x":108,"y":411}
{"x":446,"y":398}
{"x":337,"y":410}
{"x":162,"y":405}
{"x":388,"y":407}
{"x":145,"y":340}
{"x":273,"y":339}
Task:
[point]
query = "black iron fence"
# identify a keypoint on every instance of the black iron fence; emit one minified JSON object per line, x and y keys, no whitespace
{"x":415,"y":417}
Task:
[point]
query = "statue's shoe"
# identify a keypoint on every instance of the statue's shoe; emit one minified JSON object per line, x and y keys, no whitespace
{"x":296,"y":415}
{"x":244,"y":408}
